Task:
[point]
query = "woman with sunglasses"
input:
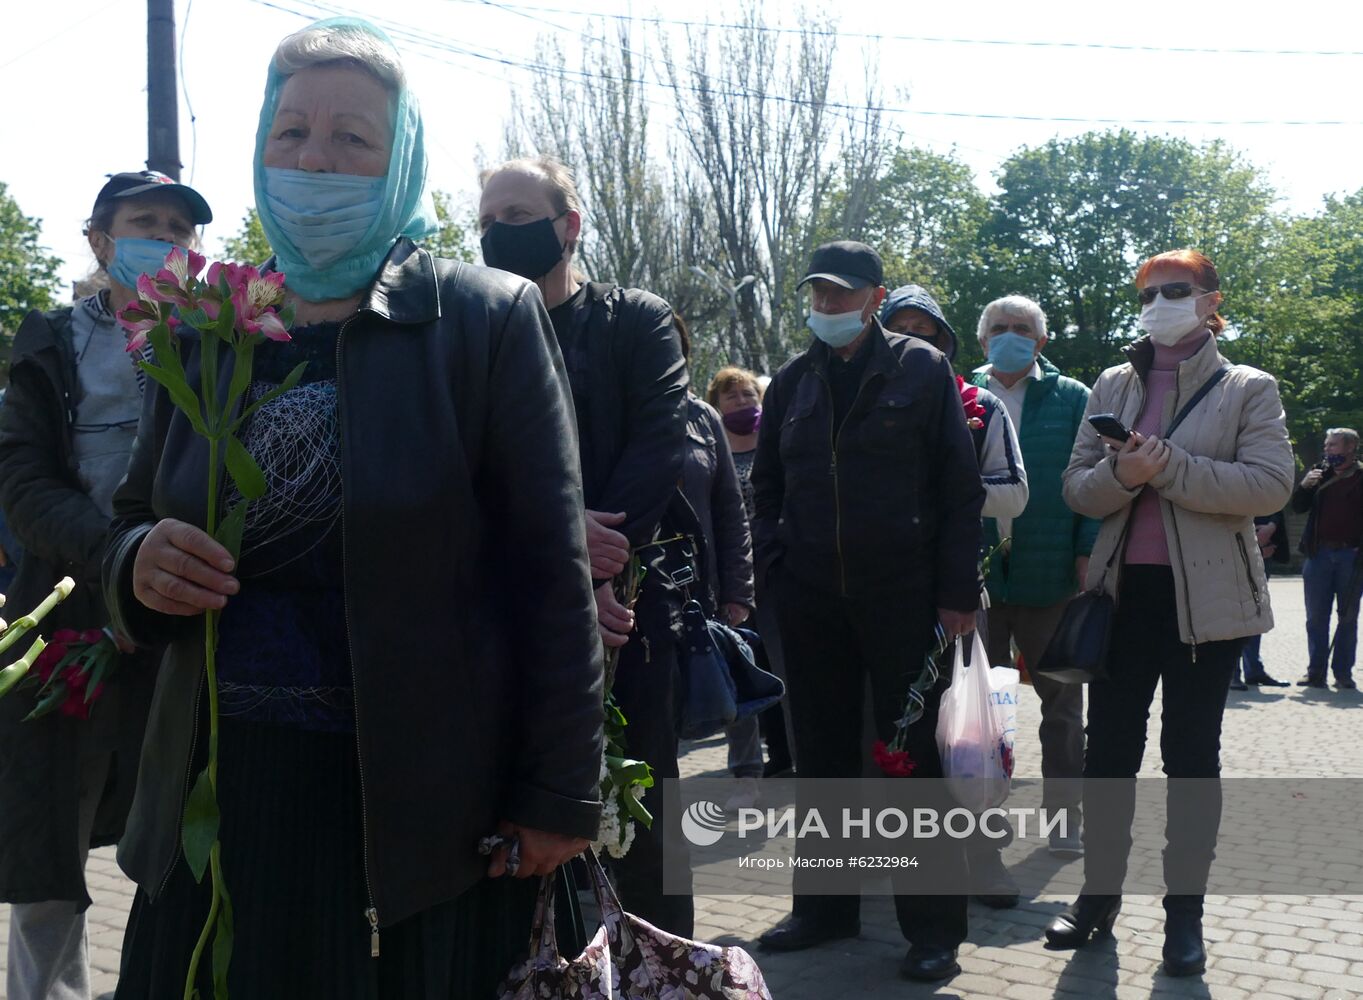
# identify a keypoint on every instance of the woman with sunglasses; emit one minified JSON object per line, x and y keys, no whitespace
{"x":1177,"y":548}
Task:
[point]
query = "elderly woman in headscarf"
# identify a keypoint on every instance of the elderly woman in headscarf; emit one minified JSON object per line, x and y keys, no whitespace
{"x":408,"y":657}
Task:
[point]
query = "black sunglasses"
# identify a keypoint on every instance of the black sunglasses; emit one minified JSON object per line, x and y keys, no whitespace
{"x":1170,"y":290}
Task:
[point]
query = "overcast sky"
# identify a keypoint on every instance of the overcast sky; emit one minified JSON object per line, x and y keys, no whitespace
{"x":73,"y":76}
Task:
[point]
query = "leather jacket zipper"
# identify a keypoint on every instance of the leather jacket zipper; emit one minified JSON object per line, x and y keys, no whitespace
{"x":371,"y":913}
{"x":834,"y":436}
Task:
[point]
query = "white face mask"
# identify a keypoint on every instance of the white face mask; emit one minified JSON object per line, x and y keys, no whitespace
{"x":1168,"y":322}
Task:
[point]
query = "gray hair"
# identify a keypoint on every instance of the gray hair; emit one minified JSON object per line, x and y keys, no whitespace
{"x":1346,"y":434}
{"x":1012,"y":305}
{"x":322,"y":45}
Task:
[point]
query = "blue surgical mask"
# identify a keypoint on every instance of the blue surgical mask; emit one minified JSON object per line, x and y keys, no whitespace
{"x":135,"y":257}
{"x":1011,"y":352}
{"x":323,"y":215}
{"x":836,"y":329}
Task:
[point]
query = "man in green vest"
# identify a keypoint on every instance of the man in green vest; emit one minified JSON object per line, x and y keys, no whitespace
{"x":1042,"y":563}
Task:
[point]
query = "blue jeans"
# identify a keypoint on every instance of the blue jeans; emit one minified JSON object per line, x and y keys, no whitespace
{"x":1325,"y":578}
{"x":1250,"y":661}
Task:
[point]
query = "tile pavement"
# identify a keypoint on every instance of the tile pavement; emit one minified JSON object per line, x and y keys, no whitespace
{"x":1303,"y":947}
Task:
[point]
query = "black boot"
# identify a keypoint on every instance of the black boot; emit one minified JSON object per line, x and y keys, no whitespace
{"x":1184,"y":953}
{"x":1088,"y":916}
{"x":929,"y":964}
{"x":798,"y":933}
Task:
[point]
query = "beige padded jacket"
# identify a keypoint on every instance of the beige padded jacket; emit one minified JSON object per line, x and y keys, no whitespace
{"x":1230,"y":461}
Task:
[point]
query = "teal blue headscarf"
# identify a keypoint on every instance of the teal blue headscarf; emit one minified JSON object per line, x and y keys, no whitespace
{"x":403,"y":208}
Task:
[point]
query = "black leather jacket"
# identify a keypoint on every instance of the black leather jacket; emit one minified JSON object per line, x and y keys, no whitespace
{"x":890,"y":501}
{"x":472,"y":627}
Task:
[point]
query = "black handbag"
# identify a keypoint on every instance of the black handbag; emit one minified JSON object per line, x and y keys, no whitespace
{"x":1077,"y":652}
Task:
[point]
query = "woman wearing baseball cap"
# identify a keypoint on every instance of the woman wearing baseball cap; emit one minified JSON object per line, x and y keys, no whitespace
{"x":66,"y":432}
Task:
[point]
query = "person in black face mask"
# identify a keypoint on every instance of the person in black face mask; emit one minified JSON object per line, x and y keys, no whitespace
{"x":628,"y":378}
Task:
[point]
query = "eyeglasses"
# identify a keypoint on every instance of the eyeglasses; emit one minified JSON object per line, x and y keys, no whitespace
{"x":1170,"y":290}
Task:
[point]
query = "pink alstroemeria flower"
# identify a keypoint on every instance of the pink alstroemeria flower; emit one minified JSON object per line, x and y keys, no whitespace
{"x":255,"y":297}
{"x":138,"y":319}
{"x":181,"y":265}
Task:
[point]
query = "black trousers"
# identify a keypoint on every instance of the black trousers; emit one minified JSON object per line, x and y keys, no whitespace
{"x":834,"y":647}
{"x":1146,"y":649}
{"x":645,"y":689}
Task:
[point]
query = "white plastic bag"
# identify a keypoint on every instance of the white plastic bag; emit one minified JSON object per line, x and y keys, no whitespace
{"x":972,"y":732}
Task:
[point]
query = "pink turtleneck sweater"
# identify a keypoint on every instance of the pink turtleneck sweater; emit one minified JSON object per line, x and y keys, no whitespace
{"x":1146,"y":544}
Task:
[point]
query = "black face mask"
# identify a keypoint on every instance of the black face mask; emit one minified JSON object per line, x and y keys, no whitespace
{"x":530,"y":250}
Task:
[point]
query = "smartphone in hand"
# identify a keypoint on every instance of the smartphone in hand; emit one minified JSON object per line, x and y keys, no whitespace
{"x":1109,"y":426}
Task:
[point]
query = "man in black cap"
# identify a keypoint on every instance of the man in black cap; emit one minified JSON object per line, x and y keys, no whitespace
{"x":868,"y":503}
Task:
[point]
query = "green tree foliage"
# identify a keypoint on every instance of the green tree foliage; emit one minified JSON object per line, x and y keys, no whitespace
{"x":1307,"y":327}
{"x":28,"y":273}
{"x":249,"y":246}
{"x":456,"y":239}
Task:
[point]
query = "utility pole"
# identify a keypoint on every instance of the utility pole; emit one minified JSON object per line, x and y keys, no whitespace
{"x":163,"y":101}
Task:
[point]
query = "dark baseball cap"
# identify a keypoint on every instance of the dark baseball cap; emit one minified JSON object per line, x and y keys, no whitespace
{"x":846,"y":263}
{"x":130,"y":185}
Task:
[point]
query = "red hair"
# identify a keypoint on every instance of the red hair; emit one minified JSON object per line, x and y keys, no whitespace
{"x":1190,"y":260}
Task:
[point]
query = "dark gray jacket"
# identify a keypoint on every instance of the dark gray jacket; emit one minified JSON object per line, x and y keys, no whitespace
{"x":472,"y":625}
{"x":63,"y":534}
{"x":710,"y":484}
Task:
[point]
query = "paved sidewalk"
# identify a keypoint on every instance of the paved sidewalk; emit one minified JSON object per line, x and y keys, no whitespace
{"x":1306,"y":947}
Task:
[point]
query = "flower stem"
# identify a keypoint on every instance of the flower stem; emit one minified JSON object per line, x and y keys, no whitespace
{"x":30,"y":621}
{"x":211,"y":679}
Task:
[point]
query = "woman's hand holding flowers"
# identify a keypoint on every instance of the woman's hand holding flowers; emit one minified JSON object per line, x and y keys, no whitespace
{"x":180,"y":570}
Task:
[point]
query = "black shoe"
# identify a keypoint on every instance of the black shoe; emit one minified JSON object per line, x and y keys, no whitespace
{"x":1345,"y":685}
{"x":1264,"y":680}
{"x":1088,"y":916}
{"x":1239,"y":686}
{"x":778,"y":769}
{"x":798,"y":933}
{"x":1184,"y":954}
{"x":1307,"y":682}
{"x":929,"y":964}
{"x":994,"y":887}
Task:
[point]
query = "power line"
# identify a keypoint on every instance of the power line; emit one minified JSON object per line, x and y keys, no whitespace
{"x":417,"y":36}
{"x":931,"y":39}
{"x":184,"y":88}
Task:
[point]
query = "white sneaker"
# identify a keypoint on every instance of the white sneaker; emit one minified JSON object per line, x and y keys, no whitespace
{"x":745,"y":796}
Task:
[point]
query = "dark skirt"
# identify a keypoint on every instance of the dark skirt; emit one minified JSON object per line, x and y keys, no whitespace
{"x":293,"y":861}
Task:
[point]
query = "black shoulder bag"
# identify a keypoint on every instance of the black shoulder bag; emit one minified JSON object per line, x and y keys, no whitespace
{"x":1077,"y":652}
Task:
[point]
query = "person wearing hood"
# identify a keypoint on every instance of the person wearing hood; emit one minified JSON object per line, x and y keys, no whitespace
{"x":912,"y":311}
{"x":66,"y":433}
{"x":408,"y":659}
{"x":868,"y":502}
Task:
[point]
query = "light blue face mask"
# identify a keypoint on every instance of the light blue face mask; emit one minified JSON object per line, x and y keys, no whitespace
{"x":330,"y":233}
{"x":324,"y":216}
{"x":836,"y":329}
{"x":135,"y":257}
{"x":1011,"y":352}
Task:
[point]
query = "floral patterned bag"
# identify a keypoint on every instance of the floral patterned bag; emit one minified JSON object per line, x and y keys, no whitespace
{"x":628,"y":959}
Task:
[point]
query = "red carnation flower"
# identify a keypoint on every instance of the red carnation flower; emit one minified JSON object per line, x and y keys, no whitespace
{"x":895,"y":763}
{"x":92,"y":636}
{"x":970,"y":402}
{"x":47,"y":660}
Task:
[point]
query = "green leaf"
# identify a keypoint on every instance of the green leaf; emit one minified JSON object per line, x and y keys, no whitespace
{"x":196,"y":318}
{"x":180,"y":394}
{"x":244,"y":470}
{"x":227,"y":318}
{"x":290,"y":382}
{"x":200,"y":828}
{"x":223,"y":937}
{"x":167,"y":351}
{"x":241,"y":374}
{"x":97,"y":675}
{"x":636,"y":809}
{"x":54,"y":698}
{"x":229,"y":532}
